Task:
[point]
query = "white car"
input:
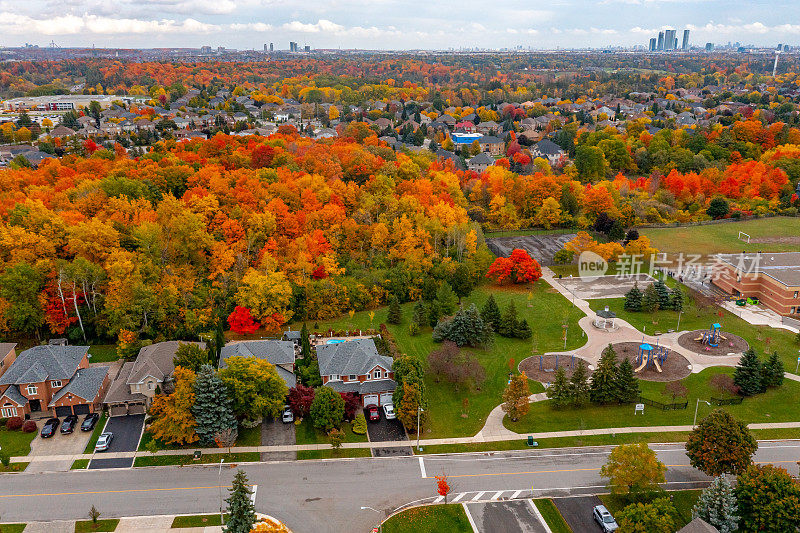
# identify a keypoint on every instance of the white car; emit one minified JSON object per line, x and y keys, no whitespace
{"x":288,"y":415}
{"x":103,"y":442}
{"x":388,"y":411}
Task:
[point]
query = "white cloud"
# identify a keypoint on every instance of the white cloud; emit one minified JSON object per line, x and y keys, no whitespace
{"x":753,"y":28}
{"x":73,"y":25}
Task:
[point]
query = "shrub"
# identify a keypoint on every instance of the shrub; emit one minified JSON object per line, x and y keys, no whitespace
{"x":360,"y":424}
{"x":29,"y":426}
{"x":14,"y":423}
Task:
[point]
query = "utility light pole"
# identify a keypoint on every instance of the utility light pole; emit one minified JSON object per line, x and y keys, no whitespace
{"x":219,"y":485}
{"x":697,"y":405}
{"x":420,"y":410}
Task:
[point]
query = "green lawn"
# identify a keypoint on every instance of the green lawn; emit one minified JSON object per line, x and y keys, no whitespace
{"x":249,"y":436}
{"x":12,"y":528}
{"x":723,"y":238}
{"x":86,"y":526}
{"x":552,"y":515}
{"x":103,"y":353}
{"x":98,"y":429}
{"x":182,"y":460}
{"x":429,"y":519}
{"x":80,"y":464}
{"x":16,"y":443}
{"x":198,"y":520}
{"x":246,"y":437}
{"x":547,"y":311}
{"x":683,"y":500}
{"x":775,"y":405}
{"x":307,"y":434}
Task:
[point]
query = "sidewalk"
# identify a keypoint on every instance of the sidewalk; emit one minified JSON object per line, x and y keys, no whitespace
{"x":132,"y":524}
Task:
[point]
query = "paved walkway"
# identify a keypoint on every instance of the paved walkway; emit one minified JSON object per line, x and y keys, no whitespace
{"x":131,"y":524}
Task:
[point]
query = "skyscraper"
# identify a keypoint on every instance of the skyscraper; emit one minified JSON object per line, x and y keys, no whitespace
{"x":685,"y":45}
{"x":669,"y":40}
{"x":660,"y":45}
{"x":271,"y":47}
{"x":292,"y":46}
{"x":652,"y":46}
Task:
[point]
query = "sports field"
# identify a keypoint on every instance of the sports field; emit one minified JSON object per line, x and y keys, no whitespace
{"x":776,"y":234}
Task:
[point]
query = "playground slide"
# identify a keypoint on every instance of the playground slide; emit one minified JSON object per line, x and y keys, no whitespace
{"x":655,"y":362}
{"x":699,"y":339}
{"x":644,"y":364}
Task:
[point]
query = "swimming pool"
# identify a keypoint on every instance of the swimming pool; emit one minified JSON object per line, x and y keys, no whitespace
{"x":335,"y":341}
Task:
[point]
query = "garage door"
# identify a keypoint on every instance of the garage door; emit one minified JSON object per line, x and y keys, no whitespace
{"x":63,"y":411}
{"x":82,"y":409}
{"x":136,"y":409}
{"x":386,"y":397}
{"x":370,"y":399}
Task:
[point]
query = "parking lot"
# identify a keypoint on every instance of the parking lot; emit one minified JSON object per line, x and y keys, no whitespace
{"x":127,"y":431}
{"x":386,"y":430}
{"x":58,"y":444}
{"x":577,"y":512}
{"x":515,"y":516}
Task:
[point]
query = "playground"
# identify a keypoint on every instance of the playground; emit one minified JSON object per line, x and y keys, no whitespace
{"x":713,"y":341}
{"x":653,"y":362}
{"x":542,"y":367}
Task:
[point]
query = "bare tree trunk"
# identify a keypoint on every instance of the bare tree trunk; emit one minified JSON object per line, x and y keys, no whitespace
{"x":60,"y":291}
{"x":77,"y":312}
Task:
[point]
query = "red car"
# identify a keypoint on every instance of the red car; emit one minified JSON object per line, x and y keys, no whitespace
{"x":374,"y":414}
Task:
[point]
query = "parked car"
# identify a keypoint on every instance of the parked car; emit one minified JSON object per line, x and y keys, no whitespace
{"x":103,"y":442}
{"x":90,"y":422}
{"x":49,"y":427}
{"x":388,"y":411}
{"x":288,"y":415}
{"x":604,"y":519}
{"x":68,"y":426}
{"x":374,"y":414}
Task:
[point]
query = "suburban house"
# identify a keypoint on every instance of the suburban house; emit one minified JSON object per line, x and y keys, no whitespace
{"x":773,"y":278}
{"x":493,"y":145}
{"x":480,"y":162}
{"x":135,"y":386}
{"x":52,"y":380}
{"x":279,"y":353}
{"x":356,"y":366}
{"x":549,"y":150}
{"x":293,"y":336}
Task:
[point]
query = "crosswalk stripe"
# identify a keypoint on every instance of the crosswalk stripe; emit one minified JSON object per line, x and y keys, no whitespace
{"x":516,"y":494}
{"x":497,"y":494}
{"x":438,"y":499}
{"x":477,"y":496}
{"x":459,"y":496}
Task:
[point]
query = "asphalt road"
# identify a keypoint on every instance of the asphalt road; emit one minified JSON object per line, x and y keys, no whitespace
{"x":326,"y":496}
{"x":514,"y":516}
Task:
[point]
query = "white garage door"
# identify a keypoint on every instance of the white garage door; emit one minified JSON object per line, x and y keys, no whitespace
{"x":370,"y":399}
{"x":386,"y":397}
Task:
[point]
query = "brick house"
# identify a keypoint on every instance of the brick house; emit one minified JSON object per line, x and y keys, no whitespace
{"x":773,"y":278}
{"x":356,"y":366}
{"x":279,"y":353}
{"x":52,"y":380}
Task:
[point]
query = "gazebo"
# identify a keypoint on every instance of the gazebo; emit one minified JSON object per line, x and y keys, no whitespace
{"x":605,"y":319}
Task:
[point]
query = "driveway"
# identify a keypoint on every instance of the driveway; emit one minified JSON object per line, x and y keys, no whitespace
{"x":127,"y":431}
{"x":387,"y":430}
{"x":515,"y":516}
{"x":577,"y":512}
{"x":58,"y":444}
{"x":276,"y":433}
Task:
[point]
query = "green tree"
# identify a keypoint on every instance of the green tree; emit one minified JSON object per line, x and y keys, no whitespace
{"x":626,"y":383}
{"x":523,"y":330}
{"x":720,"y":444}
{"x":461,"y":281}
{"x":657,"y":516}
{"x":305,"y":344}
{"x":772,"y":372}
{"x":190,"y":355}
{"x":466,"y":328}
{"x":650,"y":299}
{"x":747,"y":375}
{"x":579,"y":385}
{"x":21,"y":285}
{"x":255,"y":387}
{"x":491,"y":313}
{"x":677,"y":299}
{"x":395,"y":315}
{"x":633,"y":470}
{"x":241,"y":511}
{"x":212,"y":408}
{"x":420,"y":314}
{"x":603,"y":388}
{"x":447,"y":299}
{"x":95,"y":111}
{"x":558,"y":391}
{"x":769,"y":500}
{"x":717,"y":505}
{"x":508,"y":322}
{"x":515,"y":397}
{"x":664,"y":301}
{"x":591,"y":163}
{"x":327,"y":409}
{"x":718,"y":207}
{"x":434,"y":313}
{"x":633,"y":299}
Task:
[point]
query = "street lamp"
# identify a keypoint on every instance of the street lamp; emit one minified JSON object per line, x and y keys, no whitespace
{"x":697,"y":405}
{"x":380,"y":524}
{"x":219,"y":485}
{"x":420,"y":410}
{"x":679,"y":320}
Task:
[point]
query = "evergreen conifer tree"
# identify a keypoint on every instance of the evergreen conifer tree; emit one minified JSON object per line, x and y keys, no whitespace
{"x":523,"y":330}
{"x":212,"y":409}
{"x":717,"y":505}
{"x":395,"y":315}
{"x":650,"y":299}
{"x":579,"y":385}
{"x":602,"y":388}
{"x":491,"y":313}
{"x":420,"y":314}
{"x":626,"y":383}
{"x":241,"y":512}
{"x":508,"y":323}
{"x":447,"y":299}
{"x":434,"y":313}
{"x":747,"y":375}
{"x":677,"y":299}
{"x":633,"y":299}
{"x":664,"y":301}
{"x":305,"y":344}
{"x":558,"y":391}
{"x":772,"y":373}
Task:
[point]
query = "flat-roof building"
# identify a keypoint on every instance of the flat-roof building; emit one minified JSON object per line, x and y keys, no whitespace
{"x":61,"y":102}
{"x":773,"y":278}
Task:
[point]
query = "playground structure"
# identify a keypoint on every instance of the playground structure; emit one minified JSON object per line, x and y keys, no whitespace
{"x":543,"y":369}
{"x":712,"y":337}
{"x":647,"y":353}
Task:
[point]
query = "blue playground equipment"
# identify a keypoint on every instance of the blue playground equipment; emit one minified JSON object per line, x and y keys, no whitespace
{"x":712,"y":336}
{"x":543,"y":369}
{"x":647,"y":353}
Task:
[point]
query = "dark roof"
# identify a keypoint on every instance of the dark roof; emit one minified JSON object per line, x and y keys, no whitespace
{"x":548,"y":147}
{"x":481,"y":159}
{"x":276,"y":352}
{"x":156,"y":360}
{"x":291,"y":335}
{"x":42,"y":363}
{"x":698,"y":525}
{"x":120,"y":391}
{"x":13,"y":394}
{"x":363,"y":387}
{"x":490,"y":139}
{"x":357,"y":357}
{"x":85,"y":384}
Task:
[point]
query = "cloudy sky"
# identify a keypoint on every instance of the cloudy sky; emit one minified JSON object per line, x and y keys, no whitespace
{"x":392,"y":24}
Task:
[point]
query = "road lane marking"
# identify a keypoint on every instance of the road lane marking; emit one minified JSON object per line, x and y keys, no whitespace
{"x":497,"y":495}
{"x":459,"y":496}
{"x":422,"y":467}
{"x":516,"y":494}
{"x":253,"y":495}
{"x":469,"y":517}
{"x":539,"y":516}
{"x":122,"y":491}
{"x":438,"y":499}
{"x":477,"y":496}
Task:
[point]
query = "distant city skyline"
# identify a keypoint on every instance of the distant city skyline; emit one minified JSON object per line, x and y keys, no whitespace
{"x":393,"y":24}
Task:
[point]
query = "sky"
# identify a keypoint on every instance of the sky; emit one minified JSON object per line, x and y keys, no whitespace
{"x":393,"y":24}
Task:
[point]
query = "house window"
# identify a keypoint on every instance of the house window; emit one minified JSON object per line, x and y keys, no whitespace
{"x":334,"y":377}
{"x":377,"y":374}
{"x":32,"y":389}
{"x":150,"y":385}
{"x":56,"y":383}
{"x":8,"y":412}
{"x":795,"y":293}
{"x":353,"y":377}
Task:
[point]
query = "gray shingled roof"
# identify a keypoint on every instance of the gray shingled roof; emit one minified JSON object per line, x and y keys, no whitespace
{"x":698,"y":525}
{"x":358,"y":357}
{"x":120,"y":391}
{"x":481,"y":159}
{"x":548,"y":147}
{"x":276,"y":352}
{"x":363,"y":387}
{"x":14,"y":395}
{"x":156,"y":360}
{"x":286,"y":376}
{"x":41,"y":363}
{"x":85,"y":384}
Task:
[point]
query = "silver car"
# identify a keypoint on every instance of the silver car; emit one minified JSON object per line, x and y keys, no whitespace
{"x":288,"y":415}
{"x":604,"y":519}
{"x":103,"y":442}
{"x":388,"y":411}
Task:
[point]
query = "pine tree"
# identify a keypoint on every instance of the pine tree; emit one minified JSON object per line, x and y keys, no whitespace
{"x":305,"y":344}
{"x":491,"y":313}
{"x":650,"y":300}
{"x":212,"y":409}
{"x":772,"y":372}
{"x":523,"y":330}
{"x":663,"y":295}
{"x":717,"y":505}
{"x":633,"y":299}
{"x":602,"y":388}
{"x":508,"y":323}
{"x":747,"y":375}
{"x":395,"y":315}
{"x":434,"y":313}
{"x":626,"y":383}
{"x":677,"y":299}
{"x":446,"y":298}
{"x":420,"y":314}
{"x":578,"y":385}
{"x":558,"y":391}
{"x":241,"y":511}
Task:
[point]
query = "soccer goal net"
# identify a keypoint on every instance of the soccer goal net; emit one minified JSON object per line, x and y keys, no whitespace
{"x":744,"y":237}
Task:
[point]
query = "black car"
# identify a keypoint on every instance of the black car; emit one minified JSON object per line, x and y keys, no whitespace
{"x":90,"y":422}
{"x":68,"y":426}
{"x":49,"y":428}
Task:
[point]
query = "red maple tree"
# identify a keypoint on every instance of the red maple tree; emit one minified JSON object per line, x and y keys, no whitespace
{"x":519,"y":267}
{"x":442,"y":486}
{"x":242,"y":322}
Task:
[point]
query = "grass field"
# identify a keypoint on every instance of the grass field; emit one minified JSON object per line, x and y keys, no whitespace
{"x":683,"y":500}
{"x":183,"y":460}
{"x":723,"y":238}
{"x":86,"y":526}
{"x":429,"y":519}
{"x":103,"y":353}
{"x":13,"y":528}
{"x":307,"y":434}
{"x":552,"y":516}
{"x":80,"y":464}
{"x":198,"y":520}
{"x":246,"y":437}
{"x":16,"y":443}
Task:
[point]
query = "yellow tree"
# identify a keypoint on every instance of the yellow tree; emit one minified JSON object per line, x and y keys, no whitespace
{"x":267,"y":294}
{"x":515,"y":397}
{"x":633,"y":469}
{"x":174,"y":422}
{"x":549,"y":214}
